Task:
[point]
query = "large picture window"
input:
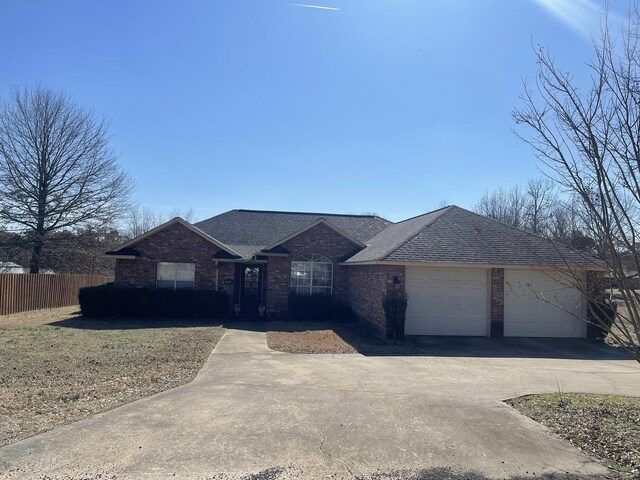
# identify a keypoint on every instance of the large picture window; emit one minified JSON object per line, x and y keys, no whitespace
{"x":176,"y":275}
{"x":311,"y":275}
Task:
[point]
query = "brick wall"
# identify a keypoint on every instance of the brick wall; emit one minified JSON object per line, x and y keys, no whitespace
{"x":175,"y":243}
{"x":321,"y":240}
{"x":367,"y":286}
{"x":497,"y":302}
{"x":226,"y":271}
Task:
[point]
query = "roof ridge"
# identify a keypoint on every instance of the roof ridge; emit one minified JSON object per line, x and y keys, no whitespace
{"x":443,"y":212}
{"x":423,"y":214}
{"x":285,"y":212}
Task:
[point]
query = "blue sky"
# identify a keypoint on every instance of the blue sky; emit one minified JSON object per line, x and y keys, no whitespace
{"x":380,"y":105}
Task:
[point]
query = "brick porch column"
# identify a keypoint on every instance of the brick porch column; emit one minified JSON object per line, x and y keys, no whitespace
{"x":497,"y":302}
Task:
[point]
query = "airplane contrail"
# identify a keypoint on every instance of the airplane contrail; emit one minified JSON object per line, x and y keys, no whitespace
{"x":319,"y":7}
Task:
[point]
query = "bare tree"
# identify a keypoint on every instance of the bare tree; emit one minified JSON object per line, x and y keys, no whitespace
{"x":57,"y":171}
{"x":506,"y":206}
{"x":188,"y":214}
{"x":541,"y":198}
{"x":588,"y":141}
{"x":140,"y":219}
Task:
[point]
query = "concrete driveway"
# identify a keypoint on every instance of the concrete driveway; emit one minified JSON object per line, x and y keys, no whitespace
{"x":252,"y":410}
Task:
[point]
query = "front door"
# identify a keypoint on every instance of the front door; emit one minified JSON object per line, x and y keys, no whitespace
{"x":250,"y":288}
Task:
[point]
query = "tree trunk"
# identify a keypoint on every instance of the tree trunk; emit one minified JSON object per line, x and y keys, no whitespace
{"x":36,"y":253}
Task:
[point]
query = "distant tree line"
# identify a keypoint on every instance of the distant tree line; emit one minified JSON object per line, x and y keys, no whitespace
{"x":540,"y":208}
{"x":81,"y":250}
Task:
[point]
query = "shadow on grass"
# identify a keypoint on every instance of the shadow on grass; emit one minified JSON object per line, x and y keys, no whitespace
{"x":86,"y":323}
{"x":429,"y":474}
{"x":365,"y":343}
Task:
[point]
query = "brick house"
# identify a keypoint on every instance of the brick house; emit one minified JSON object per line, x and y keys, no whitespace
{"x":464,"y":274}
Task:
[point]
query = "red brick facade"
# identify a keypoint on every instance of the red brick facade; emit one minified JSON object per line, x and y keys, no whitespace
{"x":367,"y":286}
{"x":175,"y":243}
{"x":362,"y":286}
{"x":321,"y":240}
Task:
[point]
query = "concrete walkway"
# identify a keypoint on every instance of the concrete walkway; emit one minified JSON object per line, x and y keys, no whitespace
{"x":244,"y":338}
{"x":329,"y":416}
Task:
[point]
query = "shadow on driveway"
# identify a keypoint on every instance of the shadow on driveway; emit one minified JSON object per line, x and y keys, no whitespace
{"x":367,"y":344}
{"x":567,"y":348}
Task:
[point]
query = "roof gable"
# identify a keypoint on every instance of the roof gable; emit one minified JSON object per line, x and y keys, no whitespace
{"x":250,"y":231}
{"x":320,"y":221}
{"x":125,"y":248}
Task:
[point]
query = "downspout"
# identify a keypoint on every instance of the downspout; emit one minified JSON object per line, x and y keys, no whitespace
{"x":217,"y":273}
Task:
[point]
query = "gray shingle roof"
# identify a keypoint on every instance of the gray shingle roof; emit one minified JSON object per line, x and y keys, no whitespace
{"x":456,"y":235}
{"x":383,"y":244}
{"x":249,"y":231}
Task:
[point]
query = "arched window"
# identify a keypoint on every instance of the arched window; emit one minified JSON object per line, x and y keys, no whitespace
{"x":311,"y":275}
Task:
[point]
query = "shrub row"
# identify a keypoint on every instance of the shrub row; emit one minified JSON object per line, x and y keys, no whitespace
{"x":318,"y":308}
{"x":110,"y":301}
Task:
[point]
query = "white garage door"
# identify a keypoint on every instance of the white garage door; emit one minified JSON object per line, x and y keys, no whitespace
{"x":541,"y":304}
{"x":446,"y":301}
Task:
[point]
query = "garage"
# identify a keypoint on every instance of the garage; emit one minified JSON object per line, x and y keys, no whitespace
{"x":542,"y":304}
{"x":446,"y":301}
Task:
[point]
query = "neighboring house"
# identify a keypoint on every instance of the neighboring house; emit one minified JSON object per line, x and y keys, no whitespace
{"x":612,"y":280}
{"x":464,"y":274}
{"x":10,"y":267}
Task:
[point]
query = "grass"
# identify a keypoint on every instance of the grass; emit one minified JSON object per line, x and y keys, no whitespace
{"x":57,"y":367}
{"x":605,"y":426}
{"x":330,"y":338}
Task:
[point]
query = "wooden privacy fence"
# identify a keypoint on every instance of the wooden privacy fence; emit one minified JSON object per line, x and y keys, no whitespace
{"x":22,"y":292}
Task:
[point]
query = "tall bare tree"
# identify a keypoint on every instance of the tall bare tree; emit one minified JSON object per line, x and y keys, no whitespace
{"x":587,"y":138}
{"x":57,"y":171}
{"x":140,"y":219}
{"x":541,"y":197}
{"x":506,"y":206}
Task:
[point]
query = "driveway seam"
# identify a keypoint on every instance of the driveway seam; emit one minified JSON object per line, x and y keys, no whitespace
{"x":324,"y":388}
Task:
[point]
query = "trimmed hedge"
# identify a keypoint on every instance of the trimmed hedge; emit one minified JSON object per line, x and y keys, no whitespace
{"x":395,"y":312}
{"x":318,"y":308}
{"x":111,"y":301}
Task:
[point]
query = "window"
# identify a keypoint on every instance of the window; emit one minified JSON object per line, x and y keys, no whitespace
{"x":311,"y":275}
{"x":176,"y":275}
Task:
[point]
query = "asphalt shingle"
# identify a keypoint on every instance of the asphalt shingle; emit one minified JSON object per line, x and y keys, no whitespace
{"x":456,"y":235}
{"x":249,"y":231}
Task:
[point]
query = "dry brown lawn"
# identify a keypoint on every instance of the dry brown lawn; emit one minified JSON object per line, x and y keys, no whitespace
{"x":605,"y":426}
{"x":58,"y":367}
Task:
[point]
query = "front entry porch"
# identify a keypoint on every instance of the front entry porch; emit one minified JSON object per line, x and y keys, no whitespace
{"x":249,"y":294}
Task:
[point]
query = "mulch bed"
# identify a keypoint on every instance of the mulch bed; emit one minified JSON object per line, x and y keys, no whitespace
{"x":57,"y":367}
{"x":329,"y":338}
{"x":605,"y":426}
{"x":310,"y":341}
